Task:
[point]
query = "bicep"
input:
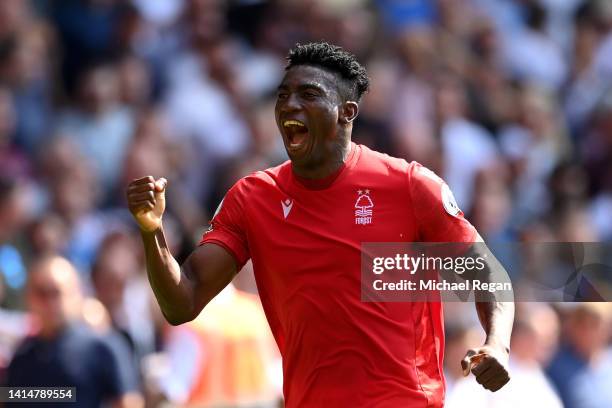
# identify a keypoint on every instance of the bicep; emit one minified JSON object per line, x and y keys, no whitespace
{"x":210,"y":268}
{"x":492,"y":272}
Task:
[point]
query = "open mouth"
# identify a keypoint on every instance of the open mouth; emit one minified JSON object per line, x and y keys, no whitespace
{"x":296,"y":133}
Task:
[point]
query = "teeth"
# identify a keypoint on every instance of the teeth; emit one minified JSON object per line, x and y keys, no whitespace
{"x":293,"y":122}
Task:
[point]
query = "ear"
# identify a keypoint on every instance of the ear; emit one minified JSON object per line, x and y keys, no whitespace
{"x":348,"y":112}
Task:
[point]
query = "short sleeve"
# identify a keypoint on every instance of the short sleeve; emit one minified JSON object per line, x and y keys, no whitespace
{"x":228,"y":227}
{"x":437,"y":214}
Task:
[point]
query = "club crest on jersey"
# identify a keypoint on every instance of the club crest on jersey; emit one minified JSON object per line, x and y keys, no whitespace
{"x":363,"y":208}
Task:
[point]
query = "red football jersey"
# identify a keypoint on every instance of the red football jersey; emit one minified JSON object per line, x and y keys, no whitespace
{"x":304,"y":239}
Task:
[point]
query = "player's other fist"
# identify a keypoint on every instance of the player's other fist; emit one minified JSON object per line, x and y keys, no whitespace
{"x":147,"y":202}
{"x":489,"y":364}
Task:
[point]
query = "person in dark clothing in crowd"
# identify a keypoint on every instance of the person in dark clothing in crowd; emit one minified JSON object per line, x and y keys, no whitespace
{"x":65,"y":352}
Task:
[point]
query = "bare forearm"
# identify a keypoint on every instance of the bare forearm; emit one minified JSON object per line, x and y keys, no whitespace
{"x":489,"y":363}
{"x":495,"y":310}
{"x":172,"y":288}
{"x":497,"y":319}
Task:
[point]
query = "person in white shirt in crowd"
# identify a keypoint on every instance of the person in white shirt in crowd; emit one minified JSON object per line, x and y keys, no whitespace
{"x":534,"y":339}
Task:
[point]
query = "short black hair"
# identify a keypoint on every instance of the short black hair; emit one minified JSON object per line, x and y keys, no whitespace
{"x":334,"y":59}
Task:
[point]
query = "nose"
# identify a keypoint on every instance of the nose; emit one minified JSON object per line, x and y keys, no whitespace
{"x":290,"y":103}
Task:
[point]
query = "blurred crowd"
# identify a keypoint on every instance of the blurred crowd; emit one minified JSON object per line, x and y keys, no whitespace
{"x":510,"y":101}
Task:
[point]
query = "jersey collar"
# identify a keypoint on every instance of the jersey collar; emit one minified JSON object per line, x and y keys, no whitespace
{"x":326,"y":182}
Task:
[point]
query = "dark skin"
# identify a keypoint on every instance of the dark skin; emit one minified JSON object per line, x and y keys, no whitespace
{"x":315,"y":119}
{"x":312,"y":96}
{"x":489,"y":363}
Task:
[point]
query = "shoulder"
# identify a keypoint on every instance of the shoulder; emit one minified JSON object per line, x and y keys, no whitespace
{"x":414,"y":172}
{"x":270,"y":175}
{"x":424,"y":183}
{"x":109,"y":352}
{"x":82,"y":338}
{"x":25,"y":349}
{"x":374,"y":161}
{"x":23,"y":364}
{"x":419,"y":174}
{"x":259,"y":181}
{"x":84,"y":342}
{"x":110,"y":343}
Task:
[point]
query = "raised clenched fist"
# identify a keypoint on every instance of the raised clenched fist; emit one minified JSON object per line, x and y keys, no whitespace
{"x":147,"y":202}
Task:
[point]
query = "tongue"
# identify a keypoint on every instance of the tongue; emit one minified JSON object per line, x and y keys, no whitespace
{"x":298,"y":138}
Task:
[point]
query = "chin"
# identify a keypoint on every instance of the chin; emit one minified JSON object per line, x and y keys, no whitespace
{"x":300,"y":157}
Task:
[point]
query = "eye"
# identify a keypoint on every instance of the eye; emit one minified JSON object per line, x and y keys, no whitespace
{"x":309,"y":95}
{"x":282,"y":95}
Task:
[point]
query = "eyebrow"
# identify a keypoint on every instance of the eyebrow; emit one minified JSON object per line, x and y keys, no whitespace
{"x":308,"y":85}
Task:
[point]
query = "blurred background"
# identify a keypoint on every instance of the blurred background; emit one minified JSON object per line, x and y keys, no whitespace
{"x":510,"y":101}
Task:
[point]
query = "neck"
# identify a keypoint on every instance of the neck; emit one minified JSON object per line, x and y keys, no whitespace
{"x":337,"y":158}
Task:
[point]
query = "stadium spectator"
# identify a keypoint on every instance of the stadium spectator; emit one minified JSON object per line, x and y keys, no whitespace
{"x":119,"y":283}
{"x":65,"y":352}
{"x":534,"y":340}
{"x":99,"y":124}
{"x":532,"y":55}
{"x":467,"y":148}
{"x":15,"y":326}
{"x":13,"y":218}
{"x":214,"y":362}
{"x":459,"y":335}
{"x":14,"y":162}
{"x":26,"y":68}
{"x":582,"y":367}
